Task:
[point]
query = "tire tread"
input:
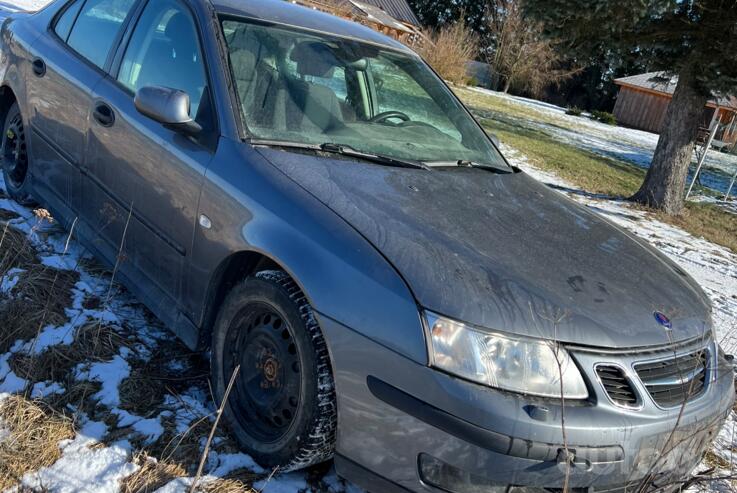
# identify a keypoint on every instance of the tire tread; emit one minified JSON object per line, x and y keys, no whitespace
{"x":319,"y":446}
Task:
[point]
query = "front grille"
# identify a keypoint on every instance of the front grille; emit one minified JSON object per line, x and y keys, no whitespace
{"x":673,"y":382}
{"x":617,"y":385}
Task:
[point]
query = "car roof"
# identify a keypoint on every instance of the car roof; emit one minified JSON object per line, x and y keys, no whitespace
{"x":286,"y":13}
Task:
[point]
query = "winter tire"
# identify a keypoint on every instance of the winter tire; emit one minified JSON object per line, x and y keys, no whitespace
{"x":15,"y":161}
{"x":282,"y":406}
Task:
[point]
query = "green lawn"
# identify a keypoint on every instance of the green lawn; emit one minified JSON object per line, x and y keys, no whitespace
{"x":587,"y":170}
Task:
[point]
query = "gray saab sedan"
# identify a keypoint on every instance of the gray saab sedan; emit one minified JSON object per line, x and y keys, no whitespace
{"x":307,"y":199}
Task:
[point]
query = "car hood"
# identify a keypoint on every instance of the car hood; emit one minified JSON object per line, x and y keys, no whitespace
{"x":506,"y":253}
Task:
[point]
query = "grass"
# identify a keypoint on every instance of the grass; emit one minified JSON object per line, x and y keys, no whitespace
{"x":34,"y":433}
{"x":42,"y":293}
{"x":708,"y":221}
{"x":583,"y":168}
{"x":588,"y":170}
{"x":30,"y":430}
{"x":154,"y":474}
{"x":485,"y":102}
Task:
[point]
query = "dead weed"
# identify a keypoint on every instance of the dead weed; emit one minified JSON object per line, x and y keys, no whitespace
{"x":41,"y":295}
{"x":34,"y":433}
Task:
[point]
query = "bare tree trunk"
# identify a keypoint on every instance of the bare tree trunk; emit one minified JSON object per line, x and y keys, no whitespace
{"x":495,"y":79}
{"x":507,"y":85}
{"x":666,"y":179}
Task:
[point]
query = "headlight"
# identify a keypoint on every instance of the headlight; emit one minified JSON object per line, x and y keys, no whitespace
{"x":520,"y":365}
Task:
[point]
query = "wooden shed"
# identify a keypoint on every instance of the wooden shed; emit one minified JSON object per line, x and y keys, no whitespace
{"x":394,"y":18}
{"x":643,"y":101}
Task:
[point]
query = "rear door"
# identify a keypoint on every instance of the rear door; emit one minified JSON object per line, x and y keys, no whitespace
{"x":144,"y":179}
{"x":68,"y":63}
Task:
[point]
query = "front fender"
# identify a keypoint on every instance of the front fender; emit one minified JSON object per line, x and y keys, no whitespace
{"x":253,"y":207}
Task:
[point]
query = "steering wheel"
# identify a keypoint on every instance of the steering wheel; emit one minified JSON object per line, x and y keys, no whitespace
{"x":382,"y":117}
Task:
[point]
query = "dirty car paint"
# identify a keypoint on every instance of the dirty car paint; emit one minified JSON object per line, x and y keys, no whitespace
{"x":505,"y":253}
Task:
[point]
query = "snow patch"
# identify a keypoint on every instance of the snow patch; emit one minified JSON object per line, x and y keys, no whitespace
{"x":110,"y":375}
{"x":223,"y":464}
{"x":179,"y":485}
{"x":150,"y":429}
{"x":45,"y":389}
{"x":10,"y":383}
{"x":59,"y":262}
{"x":10,"y":280}
{"x":50,"y":336}
{"x":287,"y":483}
{"x":83,"y":469}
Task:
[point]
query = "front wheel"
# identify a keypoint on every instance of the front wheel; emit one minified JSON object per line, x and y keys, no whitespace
{"x":282,"y":406}
{"x":14,"y":154}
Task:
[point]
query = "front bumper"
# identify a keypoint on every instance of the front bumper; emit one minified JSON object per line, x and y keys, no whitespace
{"x":396,"y":417}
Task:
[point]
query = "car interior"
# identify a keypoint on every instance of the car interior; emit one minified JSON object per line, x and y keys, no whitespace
{"x":283,"y":101}
{"x":306,"y":88}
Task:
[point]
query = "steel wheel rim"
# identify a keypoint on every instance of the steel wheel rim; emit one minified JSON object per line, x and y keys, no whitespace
{"x":15,"y":159}
{"x":267,"y":393}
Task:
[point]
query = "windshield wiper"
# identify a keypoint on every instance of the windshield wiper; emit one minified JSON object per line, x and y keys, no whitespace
{"x":343,"y":150}
{"x":471,"y":164}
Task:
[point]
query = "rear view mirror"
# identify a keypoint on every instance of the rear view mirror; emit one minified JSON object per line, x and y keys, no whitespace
{"x":168,"y":106}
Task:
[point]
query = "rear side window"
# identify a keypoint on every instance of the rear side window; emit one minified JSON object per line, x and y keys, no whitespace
{"x":66,"y":20}
{"x":96,"y":28}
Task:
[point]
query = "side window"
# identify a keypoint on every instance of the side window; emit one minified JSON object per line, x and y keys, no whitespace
{"x":97,"y":26}
{"x":65,"y":21}
{"x":164,"y":50}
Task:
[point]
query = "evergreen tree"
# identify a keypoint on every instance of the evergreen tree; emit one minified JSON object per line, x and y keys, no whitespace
{"x":693,"y":39}
{"x":439,"y":14}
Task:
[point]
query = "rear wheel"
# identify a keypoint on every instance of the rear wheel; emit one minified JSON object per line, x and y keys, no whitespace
{"x":282,"y":406}
{"x":14,"y":153}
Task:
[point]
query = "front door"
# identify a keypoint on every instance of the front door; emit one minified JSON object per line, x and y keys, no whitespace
{"x":67,"y":64}
{"x":144,"y":179}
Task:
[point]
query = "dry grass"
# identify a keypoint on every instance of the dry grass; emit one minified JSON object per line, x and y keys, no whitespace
{"x":152,"y":380}
{"x":34,"y":434}
{"x":232,"y":485}
{"x":449,"y":50}
{"x":154,"y":474}
{"x":184,"y":449}
{"x":711,"y":459}
{"x":35,"y":429}
{"x":708,"y":221}
{"x":92,"y":343}
{"x":179,"y":454}
{"x":39,"y":298}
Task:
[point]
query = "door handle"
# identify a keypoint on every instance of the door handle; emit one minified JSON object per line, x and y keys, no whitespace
{"x":39,"y":67}
{"x":104,"y":115}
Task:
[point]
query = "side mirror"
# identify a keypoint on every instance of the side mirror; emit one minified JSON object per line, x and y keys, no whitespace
{"x":168,"y":106}
{"x":495,"y":139}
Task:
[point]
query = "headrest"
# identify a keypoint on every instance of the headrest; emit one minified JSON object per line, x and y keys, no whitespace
{"x":361,"y":64}
{"x":314,"y":59}
{"x":244,"y":65}
{"x":179,"y":28}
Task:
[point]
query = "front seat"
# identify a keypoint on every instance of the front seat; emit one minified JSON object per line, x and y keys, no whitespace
{"x":313,"y":107}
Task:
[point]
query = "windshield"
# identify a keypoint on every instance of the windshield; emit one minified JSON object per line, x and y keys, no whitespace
{"x":316,"y":89}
